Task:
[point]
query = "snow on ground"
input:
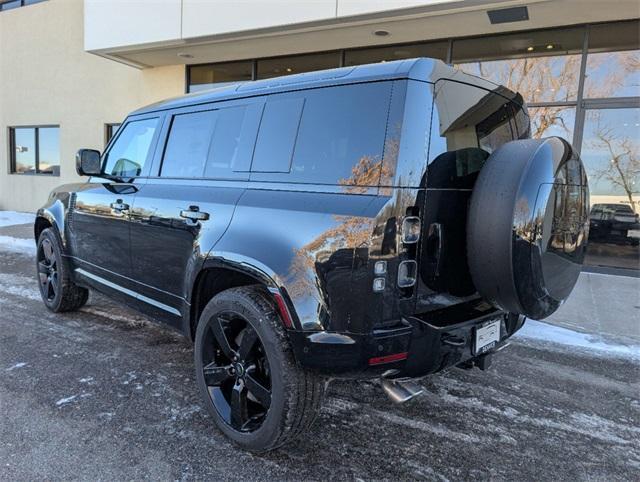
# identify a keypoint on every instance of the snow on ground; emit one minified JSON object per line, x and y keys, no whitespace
{"x":11,"y":218}
{"x":17,"y":245}
{"x":540,"y":331}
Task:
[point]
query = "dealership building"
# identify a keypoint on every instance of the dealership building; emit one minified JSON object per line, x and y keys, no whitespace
{"x":71,"y":70}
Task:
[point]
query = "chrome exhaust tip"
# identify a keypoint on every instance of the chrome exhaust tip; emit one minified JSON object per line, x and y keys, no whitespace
{"x":400,"y":390}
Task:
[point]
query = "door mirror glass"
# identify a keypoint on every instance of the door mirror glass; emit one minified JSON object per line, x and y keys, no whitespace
{"x":88,"y":162}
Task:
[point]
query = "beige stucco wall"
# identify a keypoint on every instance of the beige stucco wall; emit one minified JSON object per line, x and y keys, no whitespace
{"x":46,"y":77}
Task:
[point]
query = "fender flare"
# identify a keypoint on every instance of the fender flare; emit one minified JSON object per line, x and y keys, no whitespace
{"x":53,"y":213}
{"x":251,"y":267}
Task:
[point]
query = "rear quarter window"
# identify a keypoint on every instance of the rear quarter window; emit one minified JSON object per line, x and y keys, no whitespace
{"x":339,"y":136}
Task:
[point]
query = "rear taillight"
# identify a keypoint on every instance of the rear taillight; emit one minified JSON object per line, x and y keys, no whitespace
{"x":407,"y":273}
{"x":411,"y":229}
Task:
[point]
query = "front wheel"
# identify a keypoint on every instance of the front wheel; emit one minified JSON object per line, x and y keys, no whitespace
{"x":59,"y":293}
{"x":246,"y":372}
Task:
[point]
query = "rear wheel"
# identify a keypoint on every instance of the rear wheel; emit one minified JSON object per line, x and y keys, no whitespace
{"x":59,"y":293}
{"x":246,"y":372}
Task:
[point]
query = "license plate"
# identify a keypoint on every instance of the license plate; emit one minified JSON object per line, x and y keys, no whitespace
{"x":487,"y":336}
{"x":633,"y":233}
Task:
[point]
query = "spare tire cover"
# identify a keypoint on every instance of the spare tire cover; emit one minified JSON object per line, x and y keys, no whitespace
{"x":528,"y":226}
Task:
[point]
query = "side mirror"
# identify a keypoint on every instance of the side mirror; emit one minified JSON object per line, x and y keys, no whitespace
{"x":88,"y":162}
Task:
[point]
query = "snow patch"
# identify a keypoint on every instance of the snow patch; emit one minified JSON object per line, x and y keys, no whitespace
{"x":540,"y":331}
{"x":20,"y":286}
{"x":64,"y":401}
{"x":12,"y":218}
{"x":18,"y":245}
{"x":17,"y":365}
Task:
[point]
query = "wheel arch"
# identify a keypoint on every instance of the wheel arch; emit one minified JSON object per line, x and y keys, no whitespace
{"x":51,"y":216}
{"x":220,"y":273}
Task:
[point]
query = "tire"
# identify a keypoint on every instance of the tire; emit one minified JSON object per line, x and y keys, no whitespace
{"x":59,"y":293}
{"x":294,"y":398}
{"x":527,"y":227}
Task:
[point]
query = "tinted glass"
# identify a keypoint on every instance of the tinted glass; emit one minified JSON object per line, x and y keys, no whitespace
{"x":10,"y":5}
{"x":613,"y":62}
{"x":277,"y":135}
{"x":436,"y":50}
{"x":611,"y":155}
{"x":129,"y":153}
{"x":49,"y":150}
{"x":552,"y":121}
{"x":25,"y":150}
{"x":468,"y":124}
{"x":188,"y":144}
{"x":341,"y":135}
{"x":496,"y":129}
{"x":542,"y":65}
{"x":233,"y":141}
{"x":111,"y":130}
{"x":297,"y":64}
{"x":203,"y":77}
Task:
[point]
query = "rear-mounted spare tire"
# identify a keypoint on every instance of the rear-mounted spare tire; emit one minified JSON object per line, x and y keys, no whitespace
{"x":528,"y":226}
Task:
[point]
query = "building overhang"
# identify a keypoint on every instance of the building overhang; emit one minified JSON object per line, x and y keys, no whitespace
{"x":184,"y":41}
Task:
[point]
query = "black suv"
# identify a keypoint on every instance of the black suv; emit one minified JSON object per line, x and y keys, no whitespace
{"x":385,"y":220}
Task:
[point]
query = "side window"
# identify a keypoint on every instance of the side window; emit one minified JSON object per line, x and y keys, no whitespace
{"x":333,"y":136}
{"x":130,"y":152}
{"x":233,"y":141}
{"x":188,"y":144}
{"x":277,"y":135}
{"x":342,"y":134}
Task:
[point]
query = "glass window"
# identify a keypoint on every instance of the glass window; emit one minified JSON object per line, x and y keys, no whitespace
{"x":543,"y":66}
{"x":277,"y":135}
{"x":24,"y":145}
{"x":341,"y":135}
{"x":297,"y":64}
{"x":130,"y":151}
{"x":35,"y":150}
{"x":233,"y":141}
{"x":188,"y":144}
{"x":611,"y":154}
{"x":613,"y":61}
{"x":49,"y":150}
{"x":552,"y":121}
{"x":11,"y":5}
{"x":436,"y":50}
{"x":203,"y":77}
{"x":110,"y":131}
{"x":496,"y":129}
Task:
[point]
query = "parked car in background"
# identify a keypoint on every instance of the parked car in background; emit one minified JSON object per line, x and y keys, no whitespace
{"x":614,"y":223}
{"x":387,"y":220}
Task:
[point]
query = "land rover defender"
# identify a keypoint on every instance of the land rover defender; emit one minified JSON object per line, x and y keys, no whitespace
{"x":386,"y":220}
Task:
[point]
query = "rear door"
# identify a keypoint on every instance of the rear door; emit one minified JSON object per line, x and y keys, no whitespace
{"x":468,"y":124}
{"x":182,"y":210}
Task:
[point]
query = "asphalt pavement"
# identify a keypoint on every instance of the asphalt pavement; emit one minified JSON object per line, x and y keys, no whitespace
{"x":106,"y":394}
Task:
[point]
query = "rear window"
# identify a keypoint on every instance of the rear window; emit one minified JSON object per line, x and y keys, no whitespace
{"x":469,"y":123}
{"x":326,"y":136}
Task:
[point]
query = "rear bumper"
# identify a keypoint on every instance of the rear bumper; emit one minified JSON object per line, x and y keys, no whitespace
{"x":412,"y":348}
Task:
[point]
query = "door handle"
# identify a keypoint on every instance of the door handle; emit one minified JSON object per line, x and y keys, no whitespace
{"x":119,"y":205}
{"x":194,"y":214}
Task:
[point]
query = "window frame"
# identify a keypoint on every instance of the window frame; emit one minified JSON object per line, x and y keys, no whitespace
{"x":12,"y":149}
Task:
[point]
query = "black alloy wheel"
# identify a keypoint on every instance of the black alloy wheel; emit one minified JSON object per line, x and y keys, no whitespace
{"x":48,"y":270}
{"x":246,"y":372}
{"x":236,"y":372}
{"x":58,"y":290}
